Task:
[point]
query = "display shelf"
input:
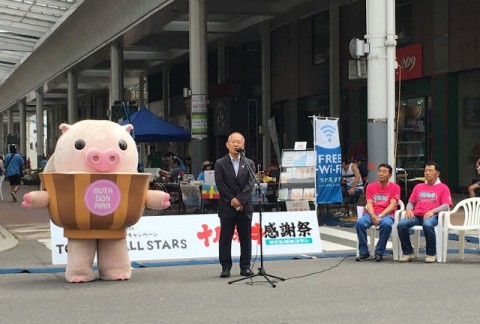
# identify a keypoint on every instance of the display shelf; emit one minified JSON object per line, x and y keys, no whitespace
{"x":412,"y":136}
{"x":297,"y":175}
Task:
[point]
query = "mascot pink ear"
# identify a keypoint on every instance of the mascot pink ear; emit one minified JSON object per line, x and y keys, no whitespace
{"x":64,"y":127}
{"x":128,"y":128}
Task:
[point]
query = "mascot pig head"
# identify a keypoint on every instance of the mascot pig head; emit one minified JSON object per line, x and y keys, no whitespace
{"x":95,"y":146}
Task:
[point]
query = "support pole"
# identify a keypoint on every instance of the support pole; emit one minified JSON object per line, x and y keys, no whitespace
{"x":376,"y":85}
{"x":40,"y":132}
{"x":198,"y":83}
{"x":266,"y":95}
{"x":22,"y":125}
{"x":391,"y":45}
{"x":72,"y":96}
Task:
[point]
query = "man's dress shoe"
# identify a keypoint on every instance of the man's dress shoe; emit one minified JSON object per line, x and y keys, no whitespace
{"x":225,"y":273}
{"x":246,"y":272}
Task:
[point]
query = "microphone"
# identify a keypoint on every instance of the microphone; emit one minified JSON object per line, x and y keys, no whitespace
{"x":240,"y":150}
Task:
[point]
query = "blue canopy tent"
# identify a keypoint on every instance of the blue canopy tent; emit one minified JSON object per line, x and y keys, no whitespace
{"x":148,"y":127}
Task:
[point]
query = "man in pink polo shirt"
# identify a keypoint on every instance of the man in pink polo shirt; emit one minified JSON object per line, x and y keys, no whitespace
{"x":426,"y":201}
{"x":382,"y":198}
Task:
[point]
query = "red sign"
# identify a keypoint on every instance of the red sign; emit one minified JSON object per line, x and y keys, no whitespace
{"x":409,"y":62}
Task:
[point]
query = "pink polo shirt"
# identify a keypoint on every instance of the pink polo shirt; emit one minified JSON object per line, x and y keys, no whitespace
{"x":381,"y":197}
{"x":426,"y":197}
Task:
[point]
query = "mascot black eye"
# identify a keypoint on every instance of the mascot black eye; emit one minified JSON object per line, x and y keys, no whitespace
{"x":122,"y":145}
{"x":80,"y":144}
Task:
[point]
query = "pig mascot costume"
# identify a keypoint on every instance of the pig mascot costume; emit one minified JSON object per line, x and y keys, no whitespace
{"x":101,"y":150}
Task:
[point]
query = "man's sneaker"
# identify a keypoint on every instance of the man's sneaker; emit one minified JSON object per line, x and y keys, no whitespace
{"x":430,"y":259}
{"x":363,"y":257}
{"x":407,"y":258}
{"x":14,"y":196}
{"x":378,"y":258}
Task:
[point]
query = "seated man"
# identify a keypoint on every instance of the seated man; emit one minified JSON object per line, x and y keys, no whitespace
{"x":473,"y":187}
{"x":352,"y":184}
{"x":426,"y":201}
{"x":362,"y":164}
{"x":176,"y":173}
{"x":382,"y":198}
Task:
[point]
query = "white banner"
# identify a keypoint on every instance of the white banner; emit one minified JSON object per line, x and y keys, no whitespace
{"x":176,"y":237}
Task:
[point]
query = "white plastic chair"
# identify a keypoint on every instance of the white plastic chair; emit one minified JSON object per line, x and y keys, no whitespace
{"x":416,"y":232}
{"x":471,"y":222}
{"x":371,"y":232}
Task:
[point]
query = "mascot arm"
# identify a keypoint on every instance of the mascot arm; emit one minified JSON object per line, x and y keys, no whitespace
{"x":158,"y":199}
{"x":35,"y":199}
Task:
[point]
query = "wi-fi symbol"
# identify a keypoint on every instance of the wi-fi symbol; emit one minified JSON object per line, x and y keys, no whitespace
{"x":328,"y":131}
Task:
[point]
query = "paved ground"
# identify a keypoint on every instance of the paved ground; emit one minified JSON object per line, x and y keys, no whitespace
{"x":331,"y":288}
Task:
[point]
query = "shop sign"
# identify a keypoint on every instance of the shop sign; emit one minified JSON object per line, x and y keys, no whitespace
{"x":409,"y":62}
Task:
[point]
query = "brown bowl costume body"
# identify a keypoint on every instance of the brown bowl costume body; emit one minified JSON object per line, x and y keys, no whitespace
{"x":95,"y":205}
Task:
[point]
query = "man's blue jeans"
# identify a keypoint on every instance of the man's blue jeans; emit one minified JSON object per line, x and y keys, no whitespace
{"x":428,"y":228}
{"x":363,"y":224}
{"x":351,"y":199}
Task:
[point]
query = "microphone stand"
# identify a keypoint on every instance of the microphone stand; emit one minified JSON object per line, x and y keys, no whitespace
{"x":261,"y":270}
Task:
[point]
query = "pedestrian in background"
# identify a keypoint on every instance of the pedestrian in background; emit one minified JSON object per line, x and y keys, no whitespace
{"x":2,"y":176}
{"x":13,"y":166}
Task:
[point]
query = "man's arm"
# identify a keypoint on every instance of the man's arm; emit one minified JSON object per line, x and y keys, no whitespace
{"x":222,"y":187}
{"x":356,"y":178}
{"x":370,"y":209}
{"x":389,"y":209}
{"x":409,"y":210}
{"x":437,"y":210}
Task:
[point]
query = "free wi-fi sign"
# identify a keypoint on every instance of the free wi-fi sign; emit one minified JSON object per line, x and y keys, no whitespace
{"x":328,"y":131}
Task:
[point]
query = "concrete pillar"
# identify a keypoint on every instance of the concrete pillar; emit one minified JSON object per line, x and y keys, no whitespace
{"x":72,"y":77}
{"x":2,"y":137}
{"x":51,"y":128}
{"x":441,"y":28}
{"x":10,"y":128}
{"x":116,"y":66}
{"x":88,"y":106}
{"x":291,"y":112}
{"x":294,"y":92}
{"x":266,"y":95}
{"x":57,"y":114}
{"x":198,"y":82}
{"x":391,"y":46}
{"x":376,"y":85}
{"x":141,"y":90}
{"x":221,"y":62}
{"x":40,"y":133}
{"x":166,"y":89}
{"x":23,"y":126}
{"x":334,"y":59}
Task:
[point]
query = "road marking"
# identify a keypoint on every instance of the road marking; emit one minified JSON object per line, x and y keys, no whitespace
{"x":47,"y":243}
{"x":34,"y":231}
{"x":336,"y":232}
{"x":333,"y":231}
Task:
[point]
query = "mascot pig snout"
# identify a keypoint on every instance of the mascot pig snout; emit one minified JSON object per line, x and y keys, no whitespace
{"x":102,"y":160}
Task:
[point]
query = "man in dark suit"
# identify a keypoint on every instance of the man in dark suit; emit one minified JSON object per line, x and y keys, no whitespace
{"x":235,"y":207}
